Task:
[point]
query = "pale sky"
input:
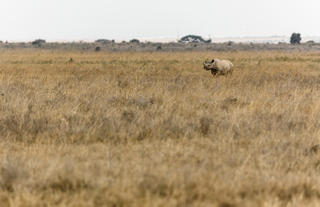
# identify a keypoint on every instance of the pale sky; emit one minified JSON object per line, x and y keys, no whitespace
{"x":126,"y":19}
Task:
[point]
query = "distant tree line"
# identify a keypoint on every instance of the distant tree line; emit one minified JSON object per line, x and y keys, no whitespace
{"x":295,"y":39}
{"x":185,"y":39}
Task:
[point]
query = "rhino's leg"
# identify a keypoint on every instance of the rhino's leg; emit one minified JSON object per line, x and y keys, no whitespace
{"x":214,"y":72}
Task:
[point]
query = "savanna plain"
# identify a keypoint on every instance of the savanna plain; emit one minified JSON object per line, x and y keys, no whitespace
{"x":155,"y":129}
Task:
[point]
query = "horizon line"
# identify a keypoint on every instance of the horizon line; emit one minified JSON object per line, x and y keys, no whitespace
{"x":254,"y":39}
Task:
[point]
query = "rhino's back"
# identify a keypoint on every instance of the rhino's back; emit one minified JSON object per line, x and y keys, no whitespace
{"x":224,"y":64}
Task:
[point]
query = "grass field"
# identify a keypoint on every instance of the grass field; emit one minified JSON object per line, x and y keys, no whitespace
{"x":156,"y":129}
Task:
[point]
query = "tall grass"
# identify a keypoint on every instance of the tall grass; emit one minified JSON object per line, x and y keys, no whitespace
{"x":155,"y":129}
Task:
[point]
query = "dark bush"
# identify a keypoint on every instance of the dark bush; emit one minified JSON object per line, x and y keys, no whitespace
{"x":295,"y":38}
{"x":98,"y":49}
{"x":104,"y":41}
{"x":134,"y":41}
{"x":193,"y":39}
{"x":38,"y":42}
{"x":230,"y":43}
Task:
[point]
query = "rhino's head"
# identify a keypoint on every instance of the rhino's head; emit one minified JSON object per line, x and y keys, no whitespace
{"x":209,"y":65}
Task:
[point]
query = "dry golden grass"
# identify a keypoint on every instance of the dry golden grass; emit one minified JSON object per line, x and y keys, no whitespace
{"x":155,"y":129}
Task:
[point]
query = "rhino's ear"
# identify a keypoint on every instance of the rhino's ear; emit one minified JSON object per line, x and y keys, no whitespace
{"x":212,"y":61}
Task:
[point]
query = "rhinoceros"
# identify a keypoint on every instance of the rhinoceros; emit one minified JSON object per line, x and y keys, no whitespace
{"x":218,"y":67}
